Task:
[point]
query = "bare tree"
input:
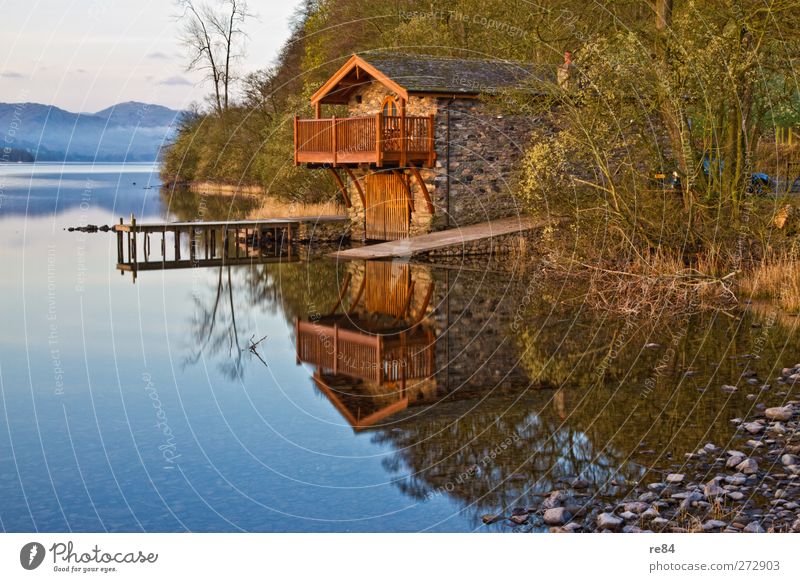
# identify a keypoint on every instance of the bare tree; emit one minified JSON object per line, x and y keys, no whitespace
{"x":215,"y":37}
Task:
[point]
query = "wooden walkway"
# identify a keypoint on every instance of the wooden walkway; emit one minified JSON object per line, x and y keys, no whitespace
{"x":208,"y":244}
{"x":438,"y":240}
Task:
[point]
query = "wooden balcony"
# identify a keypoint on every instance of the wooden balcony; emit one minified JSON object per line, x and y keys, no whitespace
{"x":376,"y":139}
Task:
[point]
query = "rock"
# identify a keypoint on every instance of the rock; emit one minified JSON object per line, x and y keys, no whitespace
{"x":636,"y":506}
{"x":650,"y":513}
{"x":675,"y":477}
{"x":714,"y":524}
{"x":659,"y":521}
{"x":735,"y":495}
{"x":733,"y":461}
{"x":632,"y":529}
{"x":737,"y":479}
{"x":753,"y":427}
{"x":711,"y":447}
{"x":490,"y":518}
{"x":712,"y":489}
{"x":580,"y":484}
{"x":608,"y":521}
{"x":557,"y":516}
{"x":728,"y":388}
{"x":648,"y":497}
{"x":754,"y":444}
{"x":656,"y":486}
{"x":555,"y":499}
{"x":788,"y":459}
{"x":519,"y":519}
{"x":782,"y":413}
{"x":628,"y":515}
{"x":753,"y":527}
{"x":748,"y":466}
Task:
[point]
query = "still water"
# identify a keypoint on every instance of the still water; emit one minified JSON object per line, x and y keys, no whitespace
{"x":376,"y":396}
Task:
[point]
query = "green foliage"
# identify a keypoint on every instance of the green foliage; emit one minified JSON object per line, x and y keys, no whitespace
{"x":644,"y":100}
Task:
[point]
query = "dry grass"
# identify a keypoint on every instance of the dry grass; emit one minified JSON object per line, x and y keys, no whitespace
{"x":277,"y":209}
{"x":657,"y":284}
{"x":776,"y":278}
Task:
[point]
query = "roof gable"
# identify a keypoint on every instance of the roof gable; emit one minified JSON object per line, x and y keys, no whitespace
{"x":405,"y":74}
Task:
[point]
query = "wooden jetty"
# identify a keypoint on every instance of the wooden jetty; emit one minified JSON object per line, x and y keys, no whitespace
{"x":438,"y":240}
{"x":184,"y":245}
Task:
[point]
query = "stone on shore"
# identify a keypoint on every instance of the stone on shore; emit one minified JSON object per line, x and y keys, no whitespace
{"x":753,"y":527}
{"x":675,"y":477}
{"x":608,"y":521}
{"x":712,"y":489}
{"x":636,"y":506}
{"x":782,"y":413}
{"x":748,"y":466}
{"x":753,"y":427}
{"x":557,"y":516}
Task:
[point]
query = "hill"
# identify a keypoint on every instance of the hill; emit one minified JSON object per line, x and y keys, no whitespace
{"x":129,"y":131}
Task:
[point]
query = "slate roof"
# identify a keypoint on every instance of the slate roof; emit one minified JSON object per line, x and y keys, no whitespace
{"x":429,"y":74}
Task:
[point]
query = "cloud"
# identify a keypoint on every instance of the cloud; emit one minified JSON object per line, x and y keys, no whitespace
{"x":175,"y":80}
{"x":12,"y":75}
{"x":157,"y":55}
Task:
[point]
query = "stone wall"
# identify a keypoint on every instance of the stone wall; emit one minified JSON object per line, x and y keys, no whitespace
{"x":475,"y":170}
{"x":484,"y":153}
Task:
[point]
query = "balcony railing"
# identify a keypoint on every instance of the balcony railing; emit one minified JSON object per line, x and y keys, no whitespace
{"x":374,"y":139}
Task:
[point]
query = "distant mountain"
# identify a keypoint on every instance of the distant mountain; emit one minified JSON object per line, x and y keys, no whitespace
{"x":141,"y":114}
{"x":129,"y":131}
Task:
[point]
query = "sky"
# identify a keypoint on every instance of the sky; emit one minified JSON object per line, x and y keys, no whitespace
{"x":85,"y":55}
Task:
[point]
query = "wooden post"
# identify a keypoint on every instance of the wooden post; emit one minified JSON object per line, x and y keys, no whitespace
{"x":120,"y":252}
{"x":177,"y":233}
{"x":335,"y":348}
{"x":431,"y":142}
{"x":295,"y":140}
{"x":133,"y":256}
{"x":335,"y":145}
{"x":378,"y":139}
{"x":403,"y":144}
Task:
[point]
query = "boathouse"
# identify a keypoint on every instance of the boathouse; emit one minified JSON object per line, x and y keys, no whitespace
{"x":413,"y":143}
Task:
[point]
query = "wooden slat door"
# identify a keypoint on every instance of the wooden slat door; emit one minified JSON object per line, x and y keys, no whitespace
{"x":388,"y":209}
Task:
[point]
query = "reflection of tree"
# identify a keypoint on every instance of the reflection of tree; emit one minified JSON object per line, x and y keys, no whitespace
{"x":222,"y":321}
{"x":215,"y":329}
{"x":497,"y":455}
{"x":620,"y":409}
{"x":186,"y":205}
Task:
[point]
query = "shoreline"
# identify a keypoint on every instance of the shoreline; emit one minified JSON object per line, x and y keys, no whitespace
{"x":746,"y":485}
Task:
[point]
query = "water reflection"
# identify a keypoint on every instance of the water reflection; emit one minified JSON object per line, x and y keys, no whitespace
{"x":374,"y":349}
{"x":492,"y":391}
{"x":462,"y":391}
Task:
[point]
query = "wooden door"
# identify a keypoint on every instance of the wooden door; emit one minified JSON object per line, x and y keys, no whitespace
{"x":388,"y":212}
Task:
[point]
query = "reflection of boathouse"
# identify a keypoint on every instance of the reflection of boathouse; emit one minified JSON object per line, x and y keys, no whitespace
{"x":396,"y":337}
{"x":374,"y":351}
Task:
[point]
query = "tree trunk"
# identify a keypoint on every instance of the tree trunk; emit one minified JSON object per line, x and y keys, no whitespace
{"x":663,"y":10}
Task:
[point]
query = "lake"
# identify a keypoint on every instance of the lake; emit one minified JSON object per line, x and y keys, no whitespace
{"x":323,"y":396}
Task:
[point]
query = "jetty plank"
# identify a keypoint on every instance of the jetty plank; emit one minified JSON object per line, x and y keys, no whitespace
{"x":441,"y":239}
